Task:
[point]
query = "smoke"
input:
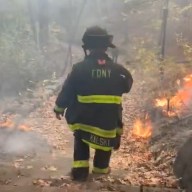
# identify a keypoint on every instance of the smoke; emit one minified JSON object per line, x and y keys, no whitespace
{"x":21,"y":143}
{"x":27,"y":27}
{"x":17,"y":138}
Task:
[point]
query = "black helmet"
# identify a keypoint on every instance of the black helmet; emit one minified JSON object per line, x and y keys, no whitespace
{"x":96,"y":38}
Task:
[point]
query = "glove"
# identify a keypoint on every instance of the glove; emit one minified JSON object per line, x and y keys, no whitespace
{"x":117,"y":142}
{"x":59,"y":114}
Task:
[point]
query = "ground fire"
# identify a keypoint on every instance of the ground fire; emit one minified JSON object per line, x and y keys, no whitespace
{"x":171,"y":107}
{"x":176,"y":105}
{"x":10,"y":124}
{"x":142,"y":128}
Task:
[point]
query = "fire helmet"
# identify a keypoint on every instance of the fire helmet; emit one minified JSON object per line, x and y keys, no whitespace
{"x":97,"y":38}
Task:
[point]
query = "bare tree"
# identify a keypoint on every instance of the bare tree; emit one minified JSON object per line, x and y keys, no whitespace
{"x":39,"y":17}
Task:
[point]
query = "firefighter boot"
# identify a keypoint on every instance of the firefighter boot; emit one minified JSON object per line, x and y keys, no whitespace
{"x":80,"y":174}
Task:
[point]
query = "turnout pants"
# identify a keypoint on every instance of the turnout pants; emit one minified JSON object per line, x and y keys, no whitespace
{"x":80,"y":170}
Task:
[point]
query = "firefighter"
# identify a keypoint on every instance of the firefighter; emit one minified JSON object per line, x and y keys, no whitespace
{"x":91,"y":101}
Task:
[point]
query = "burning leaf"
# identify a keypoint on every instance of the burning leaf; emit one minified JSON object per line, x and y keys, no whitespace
{"x":161,"y":102}
{"x":24,"y":128}
{"x":7,"y":124}
{"x":142,"y":129}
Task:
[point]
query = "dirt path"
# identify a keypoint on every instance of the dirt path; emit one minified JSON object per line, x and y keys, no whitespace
{"x":42,"y":153}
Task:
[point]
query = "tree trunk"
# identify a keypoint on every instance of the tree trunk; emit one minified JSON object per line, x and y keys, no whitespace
{"x":43,"y":19}
{"x":32,"y":8}
{"x":39,"y":18}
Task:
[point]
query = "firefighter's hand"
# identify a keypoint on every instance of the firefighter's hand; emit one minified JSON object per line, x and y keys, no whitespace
{"x":117,"y":142}
{"x":59,"y":115}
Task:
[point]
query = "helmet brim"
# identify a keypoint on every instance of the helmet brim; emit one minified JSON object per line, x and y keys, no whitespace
{"x":112,"y":45}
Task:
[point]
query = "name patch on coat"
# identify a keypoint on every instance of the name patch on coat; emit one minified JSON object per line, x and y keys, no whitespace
{"x":100,"y":141}
{"x":100,"y":73}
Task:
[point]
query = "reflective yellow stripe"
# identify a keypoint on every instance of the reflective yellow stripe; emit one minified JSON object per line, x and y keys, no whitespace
{"x":98,"y":170}
{"x":79,"y":164}
{"x":94,"y":130}
{"x":119,"y":131}
{"x":108,"y":99}
{"x":94,"y":146}
{"x":59,"y":109}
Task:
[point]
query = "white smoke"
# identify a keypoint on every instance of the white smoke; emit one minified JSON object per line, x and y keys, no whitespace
{"x":21,"y":143}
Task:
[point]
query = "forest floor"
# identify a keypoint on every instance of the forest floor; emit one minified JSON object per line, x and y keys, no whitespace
{"x":36,"y":149}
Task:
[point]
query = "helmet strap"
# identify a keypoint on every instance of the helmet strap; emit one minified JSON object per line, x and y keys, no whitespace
{"x":85,"y":50}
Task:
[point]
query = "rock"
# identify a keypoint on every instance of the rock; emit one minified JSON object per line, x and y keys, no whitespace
{"x":183,"y":165}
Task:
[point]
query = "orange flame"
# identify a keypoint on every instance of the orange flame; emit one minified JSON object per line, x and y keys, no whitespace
{"x":8,"y":123}
{"x":142,"y":129}
{"x":24,"y":128}
{"x":179,"y":101}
